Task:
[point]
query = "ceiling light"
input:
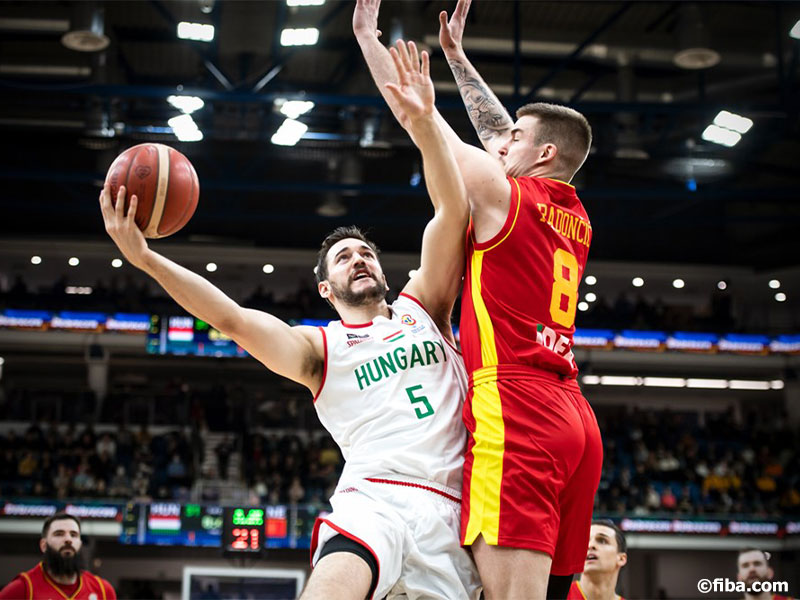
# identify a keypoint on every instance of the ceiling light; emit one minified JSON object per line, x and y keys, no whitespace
{"x":185,"y":129}
{"x":590,"y":297}
{"x":590,"y":279}
{"x":211,"y":267}
{"x":678,"y":283}
{"x":36,"y":260}
{"x":74,"y":262}
{"x":186,"y":104}
{"x":268,"y":268}
{"x":637,"y":282}
{"x":776,"y":384}
{"x":116,"y":263}
{"x":736,"y":123}
{"x":195,"y":31}
{"x":722,"y":136}
{"x":744,"y":384}
{"x":305,"y":2}
{"x":619,"y":380}
{"x":289,"y":133}
{"x":722,"y":285}
{"x":774,"y":283}
{"x":780,"y":297}
{"x":294,"y":108}
{"x":707,"y":384}
{"x":583,"y":306}
{"x":795,"y":31}
{"x":664,"y":382}
{"x":300,"y":37}
{"x":590,"y":379}
{"x":411,"y":273}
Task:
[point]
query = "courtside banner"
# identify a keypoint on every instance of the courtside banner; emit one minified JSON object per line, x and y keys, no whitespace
{"x":33,"y":509}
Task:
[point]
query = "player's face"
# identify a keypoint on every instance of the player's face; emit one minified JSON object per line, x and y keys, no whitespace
{"x":354,"y":273}
{"x":64,"y":537}
{"x":520,"y":155}
{"x":753,"y":567}
{"x":603,"y":555}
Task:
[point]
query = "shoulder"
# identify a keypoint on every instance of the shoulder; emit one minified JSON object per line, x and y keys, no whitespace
{"x":102,"y":585}
{"x":17,"y":588}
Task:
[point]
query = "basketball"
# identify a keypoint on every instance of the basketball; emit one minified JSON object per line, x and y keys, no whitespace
{"x":165,"y":183}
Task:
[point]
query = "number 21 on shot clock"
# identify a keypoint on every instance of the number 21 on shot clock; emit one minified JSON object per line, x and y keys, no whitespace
{"x":242,"y":530}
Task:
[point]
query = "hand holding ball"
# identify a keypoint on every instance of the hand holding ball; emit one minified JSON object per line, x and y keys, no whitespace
{"x":164,"y":182}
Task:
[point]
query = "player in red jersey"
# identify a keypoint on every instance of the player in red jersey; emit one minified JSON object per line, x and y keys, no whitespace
{"x":753,"y":566}
{"x":607,"y":554}
{"x":534,"y":456}
{"x":60,"y":574}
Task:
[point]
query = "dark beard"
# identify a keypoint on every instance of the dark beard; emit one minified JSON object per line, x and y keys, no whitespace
{"x":375,"y":293}
{"x":59,"y":565}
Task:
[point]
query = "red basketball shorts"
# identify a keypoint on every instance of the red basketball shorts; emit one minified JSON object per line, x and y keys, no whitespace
{"x":532,"y":466}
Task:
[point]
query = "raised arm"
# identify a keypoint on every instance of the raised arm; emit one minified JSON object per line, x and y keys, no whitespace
{"x":489,"y":118}
{"x":438,"y":279}
{"x":294,"y":352}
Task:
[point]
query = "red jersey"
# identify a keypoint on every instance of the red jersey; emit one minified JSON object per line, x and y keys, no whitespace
{"x":576,"y":592}
{"x":37,"y":584}
{"x":521,"y":288}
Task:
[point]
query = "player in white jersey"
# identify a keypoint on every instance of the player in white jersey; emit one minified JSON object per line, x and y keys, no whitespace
{"x":386,"y":380}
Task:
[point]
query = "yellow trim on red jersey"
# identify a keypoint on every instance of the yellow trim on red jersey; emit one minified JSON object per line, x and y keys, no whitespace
{"x":580,"y":589}
{"x":100,"y":583}
{"x":565,"y":183}
{"x":27,"y":579}
{"x":485,"y":327}
{"x":54,"y":585}
{"x":514,"y":222}
{"x":487,"y":465}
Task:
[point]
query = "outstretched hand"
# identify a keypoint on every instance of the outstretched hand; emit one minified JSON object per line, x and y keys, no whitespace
{"x":451,"y":32}
{"x":414,"y":90}
{"x":121,"y":227}
{"x":365,"y":18}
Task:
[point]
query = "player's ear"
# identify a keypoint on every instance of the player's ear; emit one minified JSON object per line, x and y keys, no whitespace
{"x":622,"y":559}
{"x":324,"y":289}
{"x":42,"y":544}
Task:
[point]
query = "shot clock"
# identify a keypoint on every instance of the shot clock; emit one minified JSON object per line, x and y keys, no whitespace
{"x":243,"y":530}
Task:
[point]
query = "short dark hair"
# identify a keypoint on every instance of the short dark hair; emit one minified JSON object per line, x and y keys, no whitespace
{"x":58,"y":517}
{"x":563,"y":126}
{"x":767,"y":555}
{"x":622,"y":544}
{"x":337,"y":235}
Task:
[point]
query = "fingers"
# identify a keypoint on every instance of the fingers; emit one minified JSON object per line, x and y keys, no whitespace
{"x":398,"y":65}
{"x":402,"y":50}
{"x":462,"y":6}
{"x":414,"y":56}
{"x":119,"y":210}
{"x":443,"y":20}
{"x":131,"y":216}
{"x":105,"y":201}
{"x":426,"y":65}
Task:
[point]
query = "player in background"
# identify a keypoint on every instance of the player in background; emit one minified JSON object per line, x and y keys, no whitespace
{"x":534,"y":452}
{"x":61,"y":573}
{"x":387,"y":382}
{"x":753,"y":566}
{"x":607,"y":554}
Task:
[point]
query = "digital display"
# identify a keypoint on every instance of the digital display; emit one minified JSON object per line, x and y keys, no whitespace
{"x":243,"y":530}
{"x":172,"y":524}
{"x":183,"y":335}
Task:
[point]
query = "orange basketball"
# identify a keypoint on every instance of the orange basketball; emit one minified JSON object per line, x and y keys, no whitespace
{"x":165,"y":183}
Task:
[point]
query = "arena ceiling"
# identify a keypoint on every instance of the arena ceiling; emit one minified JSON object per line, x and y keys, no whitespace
{"x":65,"y":114}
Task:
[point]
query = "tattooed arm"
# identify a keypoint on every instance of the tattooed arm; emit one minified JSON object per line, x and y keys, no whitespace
{"x":489,"y":118}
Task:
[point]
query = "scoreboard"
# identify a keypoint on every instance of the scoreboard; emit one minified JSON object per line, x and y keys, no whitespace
{"x":184,"y":335}
{"x":236,"y":529}
{"x":172,"y":524}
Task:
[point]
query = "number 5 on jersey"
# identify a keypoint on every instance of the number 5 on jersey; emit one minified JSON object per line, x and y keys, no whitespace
{"x":421,"y":414}
{"x":565,"y":287}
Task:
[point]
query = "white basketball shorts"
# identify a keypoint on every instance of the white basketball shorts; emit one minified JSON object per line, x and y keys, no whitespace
{"x":411,"y":526}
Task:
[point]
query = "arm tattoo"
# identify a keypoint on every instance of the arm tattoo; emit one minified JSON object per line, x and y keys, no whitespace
{"x":488,"y":116}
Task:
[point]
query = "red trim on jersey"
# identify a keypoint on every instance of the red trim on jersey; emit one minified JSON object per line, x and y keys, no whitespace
{"x":356,"y":326}
{"x":324,"y":364}
{"x":415,"y":485}
{"x":509,"y":222}
{"x":347,"y":534}
{"x":422,"y":306}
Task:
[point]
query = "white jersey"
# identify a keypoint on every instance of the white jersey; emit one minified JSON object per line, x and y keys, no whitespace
{"x":392,"y":395}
